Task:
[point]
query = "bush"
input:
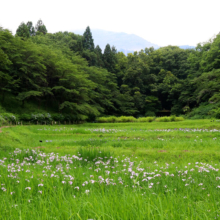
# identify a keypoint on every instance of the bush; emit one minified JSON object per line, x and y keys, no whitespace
{"x":25,"y":117}
{"x":145,"y":119}
{"x":205,"y":110}
{"x":179,"y":119}
{"x":58,"y":117}
{"x":102,"y":120}
{"x":126,"y":119}
{"x":2,"y":120}
{"x":172,"y":117}
{"x":150,"y":113}
{"x":112,"y":119}
{"x":9,"y":117}
{"x":163,"y":119}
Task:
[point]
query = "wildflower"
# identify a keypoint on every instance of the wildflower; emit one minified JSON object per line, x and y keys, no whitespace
{"x":40,"y":192}
{"x":29,"y":188}
{"x":76,"y":187}
{"x":63,"y":182}
{"x":200,"y":184}
{"x":40,"y":184}
{"x":87,"y":191}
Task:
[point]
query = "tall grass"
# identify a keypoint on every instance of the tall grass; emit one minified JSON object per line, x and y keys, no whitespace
{"x":141,"y":119}
{"x":51,"y":186}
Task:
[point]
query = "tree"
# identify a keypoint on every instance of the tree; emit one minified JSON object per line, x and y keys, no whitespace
{"x":88,"y":43}
{"x":23,"y":31}
{"x":99,"y":60}
{"x":40,"y":27}
{"x":31,"y":28}
{"x":109,"y":58}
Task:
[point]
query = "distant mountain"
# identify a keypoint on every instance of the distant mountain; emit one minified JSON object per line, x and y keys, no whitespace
{"x":127,"y":43}
{"x":187,"y":47}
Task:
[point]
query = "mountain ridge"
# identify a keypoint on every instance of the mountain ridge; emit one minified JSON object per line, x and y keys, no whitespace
{"x":126,"y":43}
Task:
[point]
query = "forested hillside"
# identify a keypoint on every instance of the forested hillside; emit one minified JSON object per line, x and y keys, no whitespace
{"x":66,"y":73}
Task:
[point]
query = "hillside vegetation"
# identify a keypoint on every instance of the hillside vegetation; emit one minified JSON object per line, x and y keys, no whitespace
{"x":66,"y":73}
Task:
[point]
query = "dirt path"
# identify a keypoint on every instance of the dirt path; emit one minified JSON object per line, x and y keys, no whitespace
{"x":3,"y":127}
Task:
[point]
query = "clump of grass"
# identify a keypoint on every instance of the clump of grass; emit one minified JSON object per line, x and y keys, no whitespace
{"x":163,"y":119}
{"x":169,"y":119}
{"x":93,"y":153}
{"x":126,"y":119}
{"x":113,"y":119}
{"x":145,"y":119}
{"x":179,"y":119}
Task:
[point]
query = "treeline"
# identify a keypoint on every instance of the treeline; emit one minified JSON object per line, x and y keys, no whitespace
{"x":68,"y":73}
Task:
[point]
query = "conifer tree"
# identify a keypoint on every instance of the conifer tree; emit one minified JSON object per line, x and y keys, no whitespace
{"x":30,"y":28}
{"x":88,"y":43}
{"x":23,"y":31}
{"x":99,"y":60}
{"x":40,"y":27}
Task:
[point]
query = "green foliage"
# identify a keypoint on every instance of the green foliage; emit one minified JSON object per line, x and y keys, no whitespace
{"x":179,"y":119}
{"x":205,"y":110}
{"x":23,"y":31}
{"x":9,"y":117}
{"x":2,"y":120}
{"x":163,"y":119}
{"x":88,"y":43}
{"x":64,"y":72}
{"x":40,"y":27}
{"x":126,"y":119}
{"x":145,"y":119}
{"x":172,"y":117}
{"x":150,"y":113}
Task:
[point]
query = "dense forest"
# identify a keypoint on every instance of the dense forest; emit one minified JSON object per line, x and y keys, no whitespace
{"x":66,"y":73}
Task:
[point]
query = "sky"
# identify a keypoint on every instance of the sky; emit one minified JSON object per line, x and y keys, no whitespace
{"x":163,"y":22}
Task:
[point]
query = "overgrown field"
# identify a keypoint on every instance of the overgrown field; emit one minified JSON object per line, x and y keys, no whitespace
{"x":154,"y":170}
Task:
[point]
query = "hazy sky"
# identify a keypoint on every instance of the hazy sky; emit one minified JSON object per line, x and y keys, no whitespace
{"x":163,"y":22}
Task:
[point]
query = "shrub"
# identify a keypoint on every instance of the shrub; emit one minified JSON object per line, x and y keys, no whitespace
{"x":150,"y":113}
{"x":38,"y":117}
{"x":2,"y":120}
{"x":126,"y":119}
{"x":145,"y":119}
{"x":25,"y":117}
{"x":172,"y":117}
{"x":112,"y":119}
{"x":163,"y":119}
{"x":58,"y":117}
{"x":9,"y":117}
{"x":179,"y":119}
{"x":102,"y":120}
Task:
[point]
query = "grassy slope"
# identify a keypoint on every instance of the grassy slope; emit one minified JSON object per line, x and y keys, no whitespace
{"x":127,"y":138}
{"x":178,"y":192}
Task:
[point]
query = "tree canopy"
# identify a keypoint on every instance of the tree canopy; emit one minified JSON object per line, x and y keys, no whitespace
{"x":77,"y":77}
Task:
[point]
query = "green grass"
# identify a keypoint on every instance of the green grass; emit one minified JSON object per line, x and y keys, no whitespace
{"x":132,"y":170}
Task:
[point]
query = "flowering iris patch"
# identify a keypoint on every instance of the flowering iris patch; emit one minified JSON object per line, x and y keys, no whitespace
{"x":35,"y":176}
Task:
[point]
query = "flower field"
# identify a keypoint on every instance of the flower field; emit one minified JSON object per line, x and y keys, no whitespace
{"x":111,"y":171}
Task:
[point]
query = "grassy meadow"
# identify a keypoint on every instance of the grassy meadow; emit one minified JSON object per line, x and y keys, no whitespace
{"x":154,"y":170}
